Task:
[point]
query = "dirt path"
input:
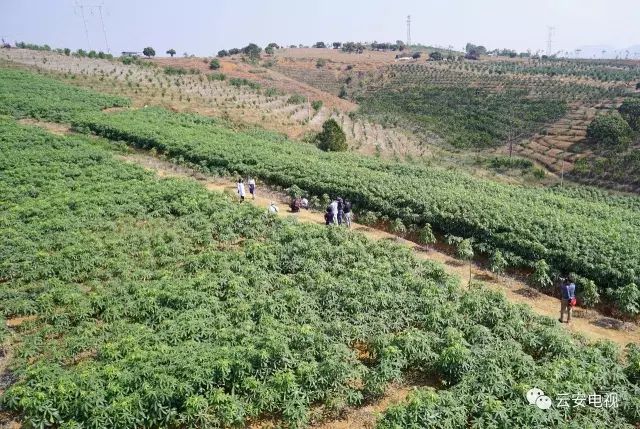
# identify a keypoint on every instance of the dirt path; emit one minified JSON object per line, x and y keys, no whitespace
{"x":587,"y":322}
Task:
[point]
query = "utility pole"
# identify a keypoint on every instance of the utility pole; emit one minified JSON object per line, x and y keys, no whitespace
{"x":408,"y":31}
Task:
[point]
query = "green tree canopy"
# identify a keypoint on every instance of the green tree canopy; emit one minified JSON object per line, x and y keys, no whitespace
{"x":609,"y":129}
{"x":319,"y":45}
{"x":223,"y":53}
{"x":332,"y":138}
{"x":214,"y":64}
{"x":252,"y":51}
{"x":171,"y":52}
{"x":436,"y":56}
{"x":149,"y":52}
{"x":630,"y":111}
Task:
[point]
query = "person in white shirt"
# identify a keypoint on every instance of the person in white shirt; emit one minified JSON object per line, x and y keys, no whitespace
{"x":252,"y":187}
{"x":334,"y":211}
{"x":273,"y":209}
{"x":241,"y":189}
{"x":305,"y":204}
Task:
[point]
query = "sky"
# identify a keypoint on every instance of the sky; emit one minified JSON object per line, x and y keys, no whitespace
{"x":204,"y":27}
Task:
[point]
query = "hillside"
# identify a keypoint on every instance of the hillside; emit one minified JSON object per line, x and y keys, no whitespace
{"x":136,"y":301}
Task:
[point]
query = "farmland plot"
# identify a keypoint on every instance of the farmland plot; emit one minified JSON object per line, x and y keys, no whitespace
{"x":157,"y":304}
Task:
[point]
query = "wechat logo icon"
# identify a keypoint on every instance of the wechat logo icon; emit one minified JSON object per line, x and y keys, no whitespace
{"x":537,"y":397}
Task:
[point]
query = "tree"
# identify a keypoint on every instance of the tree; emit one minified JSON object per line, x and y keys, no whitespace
{"x":401,"y":45}
{"x":609,"y":129}
{"x":234,"y":51}
{"x":252,"y":51}
{"x":498,"y":263}
{"x":416,"y":55}
{"x":149,"y":52}
{"x":630,"y":111}
{"x":214,"y":64}
{"x":171,"y":52}
{"x":336,"y":45}
{"x":638,"y":85}
{"x":541,"y":276}
{"x":332,"y":138}
{"x":426,"y":235}
{"x":269,"y":50}
{"x":67,"y":51}
{"x":320,"y":45}
{"x":397,"y":227}
{"x":223,"y":53}
{"x":627,"y":299}
{"x":464,"y":251}
{"x":479,"y":50}
{"x":273,"y":45}
{"x":436,"y":56}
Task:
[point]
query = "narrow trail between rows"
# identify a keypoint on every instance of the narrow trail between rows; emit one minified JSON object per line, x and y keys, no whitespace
{"x":365,"y":417}
{"x":590,"y":323}
{"x":587,"y":322}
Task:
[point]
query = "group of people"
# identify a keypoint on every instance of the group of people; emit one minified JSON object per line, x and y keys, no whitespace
{"x":337,"y":212}
{"x":252,"y":188}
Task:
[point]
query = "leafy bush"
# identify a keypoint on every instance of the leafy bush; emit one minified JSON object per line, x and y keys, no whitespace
{"x":149,"y":52}
{"x":627,"y":299}
{"x":610,"y":129}
{"x":630,"y":112}
{"x":587,"y":292}
{"x":426,"y":235}
{"x":316,"y":105}
{"x":397,"y":227}
{"x":321,"y":62}
{"x":369,"y":218}
{"x":498,"y":264}
{"x":332,"y":138}
{"x":214,"y":64}
{"x":541,"y":275}
{"x":296,"y":99}
{"x":464,"y":249}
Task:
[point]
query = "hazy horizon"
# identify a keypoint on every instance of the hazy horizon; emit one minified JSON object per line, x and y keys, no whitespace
{"x":203,"y":28}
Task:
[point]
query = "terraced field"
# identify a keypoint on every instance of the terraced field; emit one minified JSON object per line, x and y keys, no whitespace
{"x":148,"y":85}
{"x":132,"y":301}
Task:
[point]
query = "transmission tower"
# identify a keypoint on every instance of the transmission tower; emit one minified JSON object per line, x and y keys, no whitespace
{"x":99,"y":7}
{"x":80,"y":6}
{"x":550,"y":31}
{"x":408,"y":31}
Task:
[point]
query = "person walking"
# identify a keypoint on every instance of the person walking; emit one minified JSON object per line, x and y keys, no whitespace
{"x":334,"y":211}
{"x":347,"y":213}
{"x":252,"y":187}
{"x":328,"y":215}
{"x":568,"y":299}
{"x":340,"y":210}
{"x":241,"y":189}
{"x":272,"y":209}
